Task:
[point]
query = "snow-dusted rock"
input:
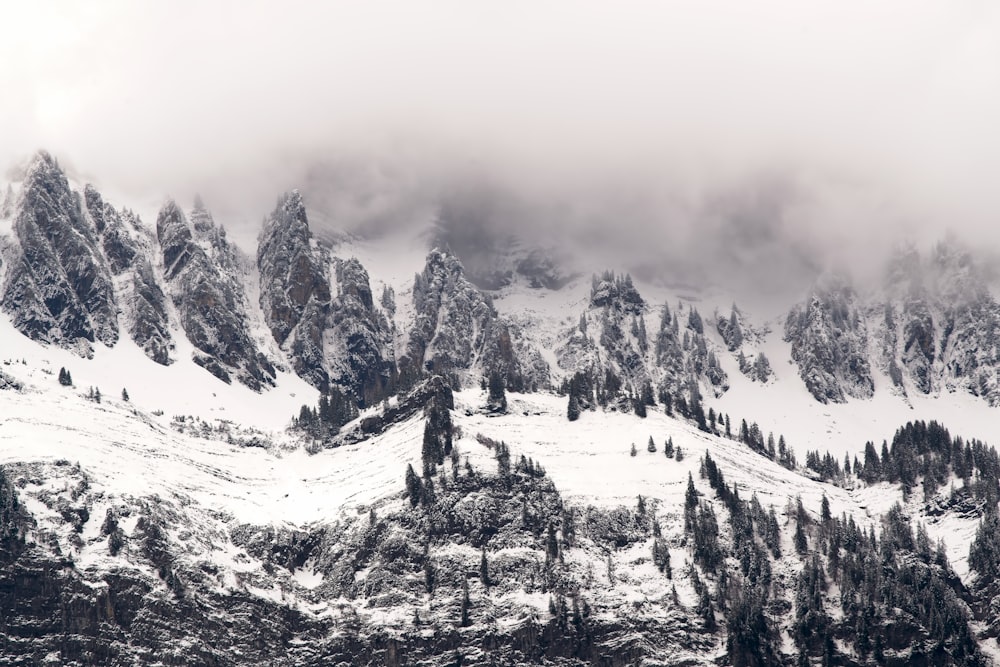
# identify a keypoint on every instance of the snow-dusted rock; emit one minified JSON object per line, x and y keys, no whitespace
{"x":456,"y":330}
{"x":829,"y":341}
{"x":210,"y":303}
{"x":128,"y":248}
{"x":58,"y":288}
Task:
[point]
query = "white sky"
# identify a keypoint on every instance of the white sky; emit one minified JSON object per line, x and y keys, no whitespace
{"x":884,"y":114}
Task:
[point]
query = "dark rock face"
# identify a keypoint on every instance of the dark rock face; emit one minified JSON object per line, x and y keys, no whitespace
{"x":295,"y":288}
{"x":450,"y":320}
{"x":456,"y":328}
{"x":830,"y":344}
{"x":941,"y":325}
{"x":360,"y":356}
{"x":293,"y":273}
{"x":968,"y":325}
{"x":128,"y":250}
{"x":59,"y":289}
{"x":611,"y":344}
{"x":210,"y":300}
{"x":508,"y":353}
{"x":340,"y":340}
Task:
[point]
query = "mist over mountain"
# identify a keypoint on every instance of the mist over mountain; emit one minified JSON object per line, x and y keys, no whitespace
{"x":768,"y":142}
{"x":451,"y":333}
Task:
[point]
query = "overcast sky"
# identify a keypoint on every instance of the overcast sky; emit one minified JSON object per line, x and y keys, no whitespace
{"x":829,"y":120}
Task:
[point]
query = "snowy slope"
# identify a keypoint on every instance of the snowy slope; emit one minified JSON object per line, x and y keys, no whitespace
{"x":132,"y":452}
{"x":208,"y":489}
{"x":589,"y":460}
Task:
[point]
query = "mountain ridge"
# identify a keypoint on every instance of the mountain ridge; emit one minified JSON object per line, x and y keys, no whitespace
{"x":571,"y":471}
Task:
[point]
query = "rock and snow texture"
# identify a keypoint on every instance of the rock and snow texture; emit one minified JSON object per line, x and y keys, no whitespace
{"x":933,"y":327}
{"x":332,"y":333}
{"x":58,"y":288}
{"x":456,"y":329}
{"x":128,"y":248}
{"x":942,"y":323}
{"x":200,"y":272}
{"x":167,"y":543}
{"x":611,"y":343}
{"x":295,"y":287}
{"x":195,"y":529}
{"x":830,"y":344}
{"x":359,"y":337}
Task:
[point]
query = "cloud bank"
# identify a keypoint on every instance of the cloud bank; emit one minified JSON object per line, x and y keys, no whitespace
{"x":795,"y":132}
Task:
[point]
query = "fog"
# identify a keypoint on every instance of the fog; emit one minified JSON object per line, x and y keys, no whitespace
{"x":764,"y":139}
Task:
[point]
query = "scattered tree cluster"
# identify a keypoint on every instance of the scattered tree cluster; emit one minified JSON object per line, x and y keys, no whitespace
{"x":335,"y":408}
{"x":730,"y":329}
{"x":899,"y":579}
{"x":388,"y":301}
{"x":758,"y":370}
{"x":926,"y":451}
{"x":608,"y":289}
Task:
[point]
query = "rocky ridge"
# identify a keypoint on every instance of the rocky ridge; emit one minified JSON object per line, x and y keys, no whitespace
{"x":209,"y":302}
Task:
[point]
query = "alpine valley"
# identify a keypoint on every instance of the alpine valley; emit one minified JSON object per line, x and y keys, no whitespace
{"x":391,"y":450}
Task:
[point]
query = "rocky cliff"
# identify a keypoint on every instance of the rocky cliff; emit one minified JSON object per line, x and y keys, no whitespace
{"x":58,"y":287}
{"x":128,"y":248}
{"x":210,"y":303}
{"x":829,"y":339}
{"x":456,"y":330}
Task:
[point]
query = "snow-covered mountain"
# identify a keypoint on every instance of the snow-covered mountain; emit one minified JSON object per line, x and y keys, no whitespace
{"x":355,"y":452}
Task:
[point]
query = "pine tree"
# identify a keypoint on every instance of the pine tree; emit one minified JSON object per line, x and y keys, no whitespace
{"x":466,"y":604}
{"x":551,"y":543}
{"x":651,"y":446}
{"x":414,"y":487}
{"x":801,"y":544}
{"x":633,"y":451}
{"x":639,"y":407}
{"x":484,"y":570}
{"x":497,"y":393}
{"x":125,"y":395}
{"x":573,"y":408}
{"x":503,"y":460}
{"x":690,"y":504}
{"x":429,"y":578}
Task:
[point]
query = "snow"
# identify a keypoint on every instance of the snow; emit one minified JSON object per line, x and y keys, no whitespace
{"x":131,"y":452}
{"x":308,"y":578}
{"x":183,"y":388}
{"x":784,"y":406}
{"x":590,"y":463}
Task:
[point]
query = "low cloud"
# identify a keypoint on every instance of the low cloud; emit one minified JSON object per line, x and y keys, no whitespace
{"x":768,"y":138}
